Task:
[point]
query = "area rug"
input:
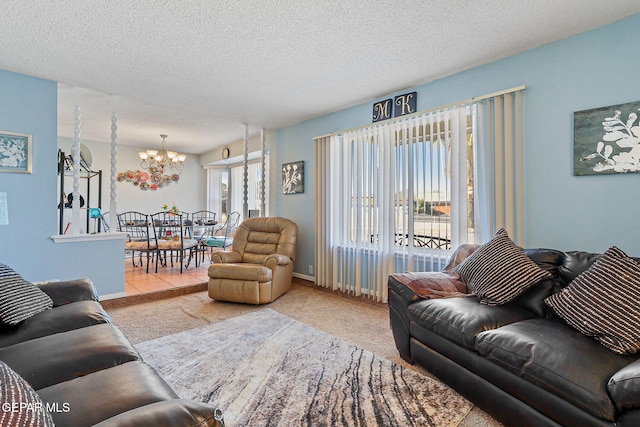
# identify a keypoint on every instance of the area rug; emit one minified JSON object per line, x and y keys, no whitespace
{"x":266,"y":369}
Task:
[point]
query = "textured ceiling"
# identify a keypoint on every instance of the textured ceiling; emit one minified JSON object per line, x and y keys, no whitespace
{"x":199,"y":70}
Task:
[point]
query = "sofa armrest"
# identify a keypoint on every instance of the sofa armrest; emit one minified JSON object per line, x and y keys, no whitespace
{"x":400,"y":296}
{"x":624,"y":387}
{"x":69,"y":291}
{"x":223,"y":257}
{"x":277,"y":259}
{"x":169,"y":413}
{"x":405,"y":296}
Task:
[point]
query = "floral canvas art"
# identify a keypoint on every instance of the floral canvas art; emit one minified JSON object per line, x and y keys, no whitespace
{"x":607,"y":140}
{"x":15,"y":152}
{"x":293,"y":178}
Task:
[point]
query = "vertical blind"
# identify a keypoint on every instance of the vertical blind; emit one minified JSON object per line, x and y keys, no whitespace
{"x":386,"y":196}
{"x":401,"y":195}
{"x":499,"y":180}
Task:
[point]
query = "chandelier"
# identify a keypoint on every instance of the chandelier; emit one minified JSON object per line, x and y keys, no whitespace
{"x":159,"y":160}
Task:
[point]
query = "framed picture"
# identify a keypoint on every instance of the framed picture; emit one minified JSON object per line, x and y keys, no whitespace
{"x":15,"y":152}
{"x":606,"y":140}
{"x":293,"y":177}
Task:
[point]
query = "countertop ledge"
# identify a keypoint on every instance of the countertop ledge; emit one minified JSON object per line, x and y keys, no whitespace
{"x":72,"y":238}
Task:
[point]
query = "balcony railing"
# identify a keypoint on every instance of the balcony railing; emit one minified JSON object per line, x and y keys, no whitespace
{"x":419,"y":241}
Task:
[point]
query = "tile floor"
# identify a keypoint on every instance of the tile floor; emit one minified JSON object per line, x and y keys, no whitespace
{"x":137,"y":281}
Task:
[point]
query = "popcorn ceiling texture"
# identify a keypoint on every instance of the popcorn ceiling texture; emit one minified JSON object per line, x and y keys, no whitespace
{"x":200,"y":69}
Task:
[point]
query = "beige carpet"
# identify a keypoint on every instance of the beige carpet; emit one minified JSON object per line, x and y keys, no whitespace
{"x":359,"y":322}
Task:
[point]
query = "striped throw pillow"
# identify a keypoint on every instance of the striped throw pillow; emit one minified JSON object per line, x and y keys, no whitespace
{"x":20,"y":405}
{"x":604,"y":302}
{"x":19,"y":299}
{"x":499,"y":271}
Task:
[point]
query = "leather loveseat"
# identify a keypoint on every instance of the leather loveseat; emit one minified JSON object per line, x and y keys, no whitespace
{"x":518,"y":361}
{"x":86,"y":372}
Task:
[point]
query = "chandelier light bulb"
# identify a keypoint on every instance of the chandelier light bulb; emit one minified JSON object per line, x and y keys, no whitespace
{"x":153,"y":160}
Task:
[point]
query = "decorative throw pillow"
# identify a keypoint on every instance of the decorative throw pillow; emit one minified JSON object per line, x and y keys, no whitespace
{"x":604,"y":302}
{"x":19,"y":299}
{"x":499,"y":271}
{"x":20,"y":405}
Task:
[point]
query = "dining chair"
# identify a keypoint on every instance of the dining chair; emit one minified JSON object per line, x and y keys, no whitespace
{"x":203,"y":225}
{"x":186,"y":221}
{"x":172,"y":237}
{"x":106,"y":221}
{"x":223,"y":233}
{"x":136,"y":225}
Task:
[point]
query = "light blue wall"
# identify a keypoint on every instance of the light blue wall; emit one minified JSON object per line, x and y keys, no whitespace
{"x":593,"y":69}
{"x":29,"y":105}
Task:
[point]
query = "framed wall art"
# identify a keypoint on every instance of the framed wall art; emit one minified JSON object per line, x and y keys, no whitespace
{"x":15,"y":152}
{"x":607,"y":140}
{"x":293,"y":177}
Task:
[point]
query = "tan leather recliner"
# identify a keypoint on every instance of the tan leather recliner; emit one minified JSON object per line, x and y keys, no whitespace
{"x":259,"y":267}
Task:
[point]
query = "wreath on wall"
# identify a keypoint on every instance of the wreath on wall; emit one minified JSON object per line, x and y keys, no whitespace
{"x":152,"y":179}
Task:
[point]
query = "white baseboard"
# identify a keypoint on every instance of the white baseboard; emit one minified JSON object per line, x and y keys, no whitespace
{"x":305,"y":277}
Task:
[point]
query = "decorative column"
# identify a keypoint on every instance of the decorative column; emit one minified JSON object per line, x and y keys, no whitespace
{"x":245,"y":174}
{"x":113,"y":219}
{"x":75,"y":205}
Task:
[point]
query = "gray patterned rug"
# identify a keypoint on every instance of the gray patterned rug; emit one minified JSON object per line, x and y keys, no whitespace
{"x":266,"y":369}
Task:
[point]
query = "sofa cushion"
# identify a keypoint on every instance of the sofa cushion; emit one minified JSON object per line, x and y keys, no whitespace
{"x":66,"y":291}
{"x":69,"y":354}
{"x":461,"y":319}
{"x":604,"y":302}
{"x":60,"y":319}
{"x":93,"y":398}
{"x":19,"y":299}
{"x":20,"y":405}
{"x":550,"y":260}
{"x":624,"y":387}
{"x":558,"y":359}
{"x":499,"y":271}
{"x":575,"y":263}
{"x":168,"y":413}
{"x":533,"y":298}
{"x":244,"y":272}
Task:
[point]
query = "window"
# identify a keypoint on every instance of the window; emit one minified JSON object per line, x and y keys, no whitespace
{"x":423,"y":199}
{"x":394,"y":197}
{"x":225,"y":188}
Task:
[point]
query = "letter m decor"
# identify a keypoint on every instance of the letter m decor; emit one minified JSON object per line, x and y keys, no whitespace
{"x":382,"y":110}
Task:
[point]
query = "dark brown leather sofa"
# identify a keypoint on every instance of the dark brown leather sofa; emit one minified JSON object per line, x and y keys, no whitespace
{"x":519,"y":362}
{"x":87,"y":372}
